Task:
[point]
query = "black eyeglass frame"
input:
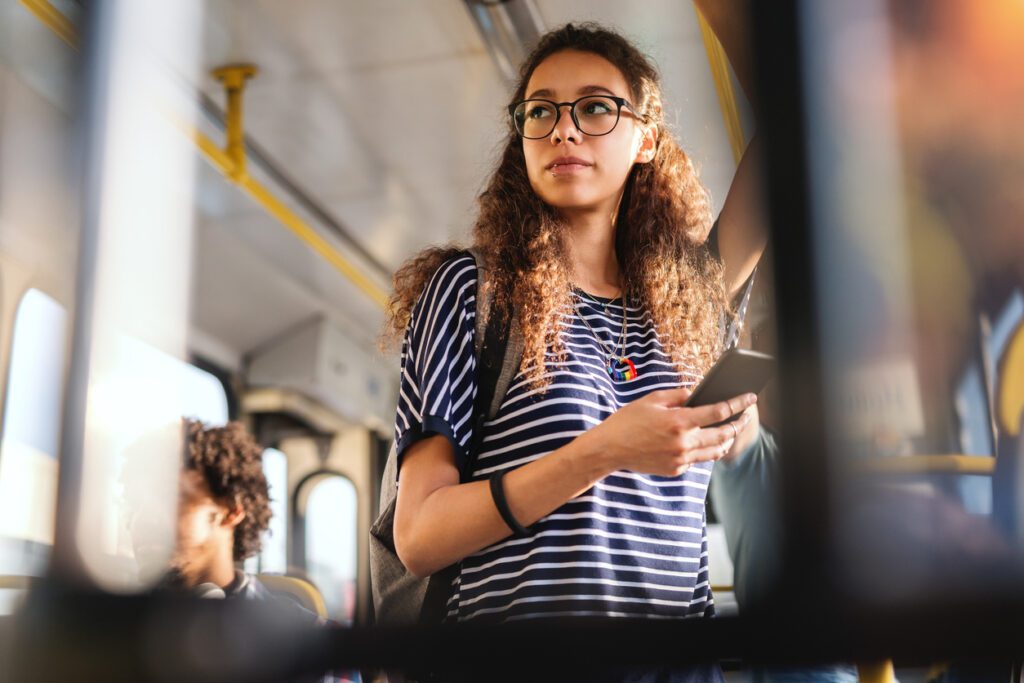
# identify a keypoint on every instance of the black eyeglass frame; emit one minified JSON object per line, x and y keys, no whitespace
{"x":620,"y":102}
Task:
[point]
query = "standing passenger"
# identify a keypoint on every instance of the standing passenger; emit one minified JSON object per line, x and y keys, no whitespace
{"x":595,"y":229}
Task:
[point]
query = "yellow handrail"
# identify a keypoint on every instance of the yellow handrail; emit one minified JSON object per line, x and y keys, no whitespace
{"x":929,"y":464}
{"x":231,"y":162}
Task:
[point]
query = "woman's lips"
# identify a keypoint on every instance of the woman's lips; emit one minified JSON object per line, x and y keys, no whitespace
{"x":568,"y":165}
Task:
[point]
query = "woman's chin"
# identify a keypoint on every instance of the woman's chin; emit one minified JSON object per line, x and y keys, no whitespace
{"x":570,"y":203}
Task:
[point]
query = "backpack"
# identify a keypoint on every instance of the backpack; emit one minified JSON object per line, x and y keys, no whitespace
{"x":399,"y":597}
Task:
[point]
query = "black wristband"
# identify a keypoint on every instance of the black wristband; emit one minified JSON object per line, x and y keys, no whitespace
{"x":498,"y":494}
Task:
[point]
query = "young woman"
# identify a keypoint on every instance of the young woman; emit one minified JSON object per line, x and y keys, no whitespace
{"x":594,"y":226}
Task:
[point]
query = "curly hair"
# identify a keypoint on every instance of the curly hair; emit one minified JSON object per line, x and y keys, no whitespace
{"x":231,"y":463}
{"x":663,"y":221}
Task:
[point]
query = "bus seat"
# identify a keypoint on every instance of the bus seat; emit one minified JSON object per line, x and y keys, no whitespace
{"x":1010,"y":385}
{"x":16,"y":582}
{"x":300,"y":590}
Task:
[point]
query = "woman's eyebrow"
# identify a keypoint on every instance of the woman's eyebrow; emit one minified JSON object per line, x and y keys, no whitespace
{"x":591,"y":89}
{"x":585,"y":90}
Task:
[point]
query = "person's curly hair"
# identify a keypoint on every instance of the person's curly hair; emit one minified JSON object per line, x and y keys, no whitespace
{"x":231,"y":463}
{"x":663,"y":221}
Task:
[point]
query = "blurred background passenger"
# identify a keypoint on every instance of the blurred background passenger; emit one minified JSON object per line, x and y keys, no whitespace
{"x":223,"y":512}
{"x":959,"y":76}
{"x":223,"y":509}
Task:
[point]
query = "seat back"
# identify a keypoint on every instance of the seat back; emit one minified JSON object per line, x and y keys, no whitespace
{"x":303,"y":592}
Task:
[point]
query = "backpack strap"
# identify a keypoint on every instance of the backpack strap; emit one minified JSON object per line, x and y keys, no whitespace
{"x":499,"y":350}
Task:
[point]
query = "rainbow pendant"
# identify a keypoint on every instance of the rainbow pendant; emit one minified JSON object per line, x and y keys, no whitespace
{"x":622,"y":369}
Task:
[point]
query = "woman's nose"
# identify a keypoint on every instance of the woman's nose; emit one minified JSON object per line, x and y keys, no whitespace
{"x":565,"y":129}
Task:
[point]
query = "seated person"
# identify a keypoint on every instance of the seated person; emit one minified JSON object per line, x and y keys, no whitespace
{"x":223,"y":509}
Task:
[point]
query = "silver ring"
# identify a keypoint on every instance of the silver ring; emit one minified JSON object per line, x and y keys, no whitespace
{"x":735,"y":431}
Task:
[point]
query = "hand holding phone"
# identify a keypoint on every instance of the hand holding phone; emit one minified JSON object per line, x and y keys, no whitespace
{"x":736,"y":372}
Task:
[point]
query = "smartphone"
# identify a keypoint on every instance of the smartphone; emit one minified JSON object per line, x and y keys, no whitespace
{"x":737,"y":371}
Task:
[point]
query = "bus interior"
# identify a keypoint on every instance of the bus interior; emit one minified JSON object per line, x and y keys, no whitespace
{"x":202,"y":205}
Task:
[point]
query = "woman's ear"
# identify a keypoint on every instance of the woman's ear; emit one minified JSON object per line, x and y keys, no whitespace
{"x":648,"y":144}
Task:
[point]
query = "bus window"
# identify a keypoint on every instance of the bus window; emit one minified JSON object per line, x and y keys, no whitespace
{"x":273,"y":557}
{"x":135,"y":414}
{"x":28,"y":452}
{"x":331,"y":544}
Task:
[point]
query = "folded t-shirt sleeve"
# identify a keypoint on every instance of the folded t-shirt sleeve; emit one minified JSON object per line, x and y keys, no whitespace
{"x":437,"y":387}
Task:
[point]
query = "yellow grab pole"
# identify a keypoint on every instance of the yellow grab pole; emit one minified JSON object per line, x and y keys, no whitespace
{"x":876,"y":672}
{"x":723,"y":86}
{"x":1010,"y":402}
{"x":928,"y":464}
{"x":52,"y":19}
{"x":234,"y":76}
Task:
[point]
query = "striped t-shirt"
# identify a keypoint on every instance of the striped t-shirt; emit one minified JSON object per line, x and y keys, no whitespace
{"x":634,"y":545}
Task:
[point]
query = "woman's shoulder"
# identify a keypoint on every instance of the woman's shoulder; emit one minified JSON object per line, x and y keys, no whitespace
{"x":457,"y":269}
{"x":453,"y":283}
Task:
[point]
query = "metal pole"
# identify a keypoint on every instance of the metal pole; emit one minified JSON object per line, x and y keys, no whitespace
{"x":91,"y":132}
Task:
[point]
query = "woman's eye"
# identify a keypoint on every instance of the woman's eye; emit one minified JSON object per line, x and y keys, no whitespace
{"x":597,"y":108}
{"x":538,"y":112}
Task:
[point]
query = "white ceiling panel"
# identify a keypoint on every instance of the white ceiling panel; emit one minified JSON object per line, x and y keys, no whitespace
{"x":439,"y":118}
{"x":647,"y":21}
{"x":306,"y":128}
{"x":312,"y":38}
{"x":280,"y":254}
{"x":396,"y":223}
{"x":242,"y":298}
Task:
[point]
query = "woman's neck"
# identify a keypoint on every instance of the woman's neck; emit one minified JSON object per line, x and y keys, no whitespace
{"x":592,"y":257}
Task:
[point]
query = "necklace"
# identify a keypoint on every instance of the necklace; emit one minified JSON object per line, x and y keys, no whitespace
{"x":619,"y":367}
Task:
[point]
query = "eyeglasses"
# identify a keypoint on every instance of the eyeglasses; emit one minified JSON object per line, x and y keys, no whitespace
{"x":592,"y":115}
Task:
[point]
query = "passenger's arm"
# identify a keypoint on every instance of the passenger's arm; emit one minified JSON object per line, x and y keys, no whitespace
{"x":742,"y":232}
{"x":744,"y":495}
{"x":439,"y":521}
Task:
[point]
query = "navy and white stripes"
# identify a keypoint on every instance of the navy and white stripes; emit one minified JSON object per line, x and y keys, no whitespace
{"x":634,"y":544}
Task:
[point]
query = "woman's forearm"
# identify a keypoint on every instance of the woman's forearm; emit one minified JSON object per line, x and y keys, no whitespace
{"x":456,"y":520}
